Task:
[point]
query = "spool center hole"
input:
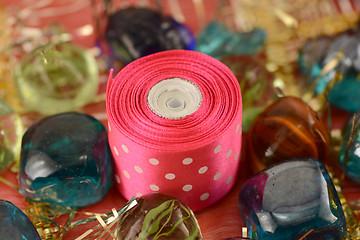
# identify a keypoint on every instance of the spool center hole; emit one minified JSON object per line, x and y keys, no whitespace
{"x":175,"y":103}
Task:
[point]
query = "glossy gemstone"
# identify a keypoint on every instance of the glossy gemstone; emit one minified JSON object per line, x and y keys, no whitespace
{"x":324,"y":58}
{"x":293,"y":200}
{"x":158,"y":216}
{"x":218,"y":41}
{"x":256,"y":85}
{"x":287,"y":129}
{"x":57,"y":78}
{"x":65,"y":159}
{"x":14,"y":224}
{"x":136,"y":32}
{"x":353,"y":162}
{"x":11,"y":130}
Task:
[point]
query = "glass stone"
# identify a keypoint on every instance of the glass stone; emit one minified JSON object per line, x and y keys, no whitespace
{"x":293,"y":200}
{"x":218,"y":41}
{"x":353,"y":164}
{"x":65,"y":159}
{"x":11,"y":130}
{"x":136,"y":32}
{"x":287,"y":129}
{"x":57,"y":78}
{"x":14,"y":224}
{"x":256,"y":84}
{"x":342,"y":52}
{"x":158,"y":216}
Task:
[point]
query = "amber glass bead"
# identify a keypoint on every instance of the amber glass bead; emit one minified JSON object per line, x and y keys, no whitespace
{"x":287,"y":129}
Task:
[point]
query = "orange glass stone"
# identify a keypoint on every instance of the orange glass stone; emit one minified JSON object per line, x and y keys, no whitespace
{"x":287,"y":129}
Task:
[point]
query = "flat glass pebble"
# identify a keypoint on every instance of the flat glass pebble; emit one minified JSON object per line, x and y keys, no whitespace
{"x":293,"y":200}
{"x":57,"y":78}
{"x":334,"y":55}
{"x":136,"y":32}
{"x":158,"y":216}
{"x":65,"y":159}
{"x":218,"y":41}
{"x":11,"y":130}
{"x":353,"y":163}
{"x":14,"y":224}
{"x":286,"y":129}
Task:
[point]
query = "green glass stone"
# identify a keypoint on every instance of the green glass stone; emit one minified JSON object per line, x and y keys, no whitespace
{"x":256,"y":84}
{"x":57,"y":78}
{"x":14,"y":224}
{"x":353,"y":163}
{"x":218,"y":41}
{"x":65,"y":159}
{"x":11,"y":130}
{"x":158,"y":216}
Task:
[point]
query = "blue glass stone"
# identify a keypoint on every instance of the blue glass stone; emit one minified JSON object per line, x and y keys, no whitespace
{"x":65,"y":159}
{"x":353,"y":164}
{"x":136,"y":32}
{"x":340,"y":54}
{"x":218,"y":41}
{"x":14,"y":224}
{"x":292,"y":200}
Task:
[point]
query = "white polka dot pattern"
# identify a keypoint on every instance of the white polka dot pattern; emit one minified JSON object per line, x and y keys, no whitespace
{"x":154,"y":161}
{"x":187,"y":161}
{"x":126,"y":174}
{"x":125,"y":148}
{"x":229,"y":179}
{"x":117,"y":179}
{"x":187,"y":188}
{"x":138,"y":169}
{"x":116,"y":151}
{"x":154,"y":187}
{"x":203,"y":170}
{"x":217,"y":149}
{"x":170,"y":176}
{"x":109,"y":127}
{"x":217,"y":176}
{"x":228,"y":154}
{"x":204,"y":196}
{"x":237,"y":156}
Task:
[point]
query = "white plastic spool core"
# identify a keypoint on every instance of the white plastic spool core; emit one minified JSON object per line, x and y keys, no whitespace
{"x":174,"y":98}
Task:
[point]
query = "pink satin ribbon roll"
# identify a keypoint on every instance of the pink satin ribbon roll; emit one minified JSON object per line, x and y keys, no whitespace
{"x":194,"y":158}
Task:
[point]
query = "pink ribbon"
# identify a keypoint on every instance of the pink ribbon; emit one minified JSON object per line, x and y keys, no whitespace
{"x":194,"y":158}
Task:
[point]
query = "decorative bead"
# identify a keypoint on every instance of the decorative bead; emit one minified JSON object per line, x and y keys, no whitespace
{"x":158,"y":216}
{"x":136,"y":32}
{"x":65,"y":159}
{"x":11,"y":130}
{"x":337,"y":55}
{"x":256,"y":85}
{"x":56,"y":78}
{"x":353,"y":163}
{"x":14,"y":224}
{"x":218,"y":41}
{"x":287,"y":129}
{"x":292,"y":200}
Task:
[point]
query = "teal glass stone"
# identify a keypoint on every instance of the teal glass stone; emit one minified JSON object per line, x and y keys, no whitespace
{"x":65,"y":159}
{"x":14,"y":224}
{"x":218,"y":41}
{"x":334,"y":55}
{"x":353,"y":163}
{"x":293,"y":200}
